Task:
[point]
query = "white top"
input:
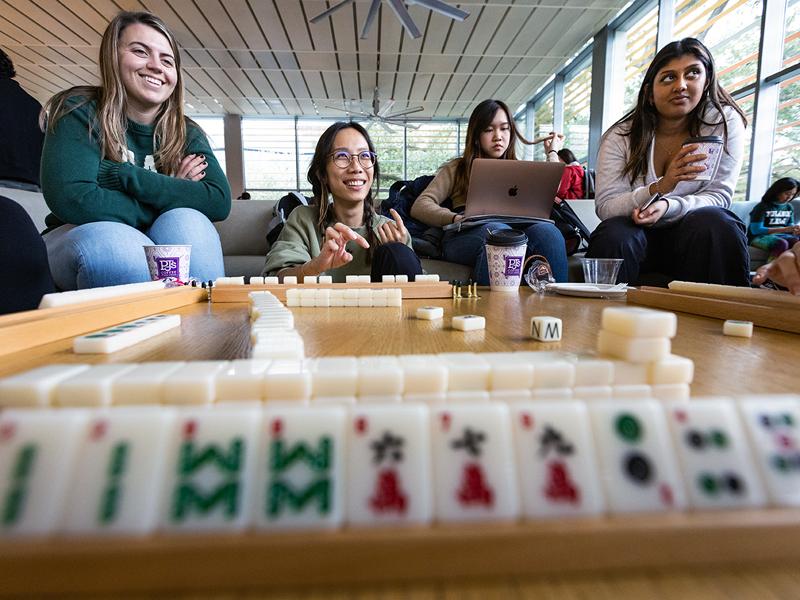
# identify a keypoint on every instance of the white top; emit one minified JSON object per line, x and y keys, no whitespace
{"x":616,"y":196}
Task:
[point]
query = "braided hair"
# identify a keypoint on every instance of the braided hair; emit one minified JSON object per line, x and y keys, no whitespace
{"x":317,"y":177}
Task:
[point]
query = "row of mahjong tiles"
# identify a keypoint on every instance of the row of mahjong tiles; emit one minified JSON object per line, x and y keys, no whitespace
{"x":322,"y":280}
{"x":135,"y":470}
{"x":429,"y":378}
{"x":723,"y":366}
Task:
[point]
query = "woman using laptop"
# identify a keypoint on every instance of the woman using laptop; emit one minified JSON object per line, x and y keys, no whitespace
{"x":663,"y":211}
{"x":340,"y":234}
{"x":491,"y":133}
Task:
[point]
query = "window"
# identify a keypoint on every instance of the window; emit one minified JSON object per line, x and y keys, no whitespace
{"x":786,"y":146}
{"x":430,"y":146}
{"x":639,"y":49}
{"x":577,"y":96}
{"x":269,"y":157}
{"x":523,"y":150}
{"x":214,"y":128}
{"x":543,"y":124}
{"x":278,"y":152}
{"x":389,"y":141}
{"x":308,"y":133}
{"x":746,"y":104}
{"x":730,"y":30}
{"x":791,"y":41}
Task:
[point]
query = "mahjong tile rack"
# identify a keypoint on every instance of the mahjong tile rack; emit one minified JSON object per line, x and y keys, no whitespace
{"x":410,"y":290}
{"x":91,"y":312}
{"x":763,"y":307}
{"x":726,"y":541}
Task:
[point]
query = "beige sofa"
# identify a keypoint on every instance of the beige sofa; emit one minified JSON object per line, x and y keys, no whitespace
{"x":244,"y":242}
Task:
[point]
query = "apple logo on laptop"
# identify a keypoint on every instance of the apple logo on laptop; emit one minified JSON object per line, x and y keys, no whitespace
{"x":512,"y":191}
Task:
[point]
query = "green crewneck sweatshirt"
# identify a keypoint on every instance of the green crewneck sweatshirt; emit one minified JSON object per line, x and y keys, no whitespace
{"x":80,"y":186}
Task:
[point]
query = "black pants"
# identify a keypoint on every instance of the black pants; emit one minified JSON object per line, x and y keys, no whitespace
{"x":394,"y":259}
{"x":23,"y":260}
{"x":708,"y":245}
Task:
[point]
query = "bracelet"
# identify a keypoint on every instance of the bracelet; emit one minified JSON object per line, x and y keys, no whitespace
{"x":549,"y":151}
{"x":658,"y":183}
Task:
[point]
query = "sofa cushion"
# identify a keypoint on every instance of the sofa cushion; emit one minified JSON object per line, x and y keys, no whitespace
{"x":244,"y":232}
{"x":32,"y":202}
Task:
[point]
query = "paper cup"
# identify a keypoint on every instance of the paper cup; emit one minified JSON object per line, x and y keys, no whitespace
{"x":711,"y":146}
{"x":170,"y":263}
{"x":601,"y":270}
{"x":505,"y":253}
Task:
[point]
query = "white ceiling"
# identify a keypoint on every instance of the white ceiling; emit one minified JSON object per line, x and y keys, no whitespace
{"x":262,"y":57}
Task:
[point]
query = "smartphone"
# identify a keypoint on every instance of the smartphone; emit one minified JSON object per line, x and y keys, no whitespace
{"x":647,"y":204}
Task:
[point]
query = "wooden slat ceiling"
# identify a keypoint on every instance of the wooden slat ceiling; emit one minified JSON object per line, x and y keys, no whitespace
{"x":262,"y":57}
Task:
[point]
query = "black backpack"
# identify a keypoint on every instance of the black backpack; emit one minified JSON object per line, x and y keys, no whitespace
{"x":426,"y":240}
{"x":280,"y":212}
{"x":570,"y":226}
{"x":402,"y":195}
{"x":588,"y":183}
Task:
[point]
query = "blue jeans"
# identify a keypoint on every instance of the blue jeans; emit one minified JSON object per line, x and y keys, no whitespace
{"x":468,"y":247}
{"x":106,"y":253}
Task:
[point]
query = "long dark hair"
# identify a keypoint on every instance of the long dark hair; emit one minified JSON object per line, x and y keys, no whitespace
{"x":784,"y":184}
{"x":567,"y":156}
{"x":479,"y":120}
{"x":318,"y":175}
{"x":642,"y":121}
{"x":112,"y":99}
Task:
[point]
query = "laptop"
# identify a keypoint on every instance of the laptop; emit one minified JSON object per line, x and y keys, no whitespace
{"x":510,"y":191}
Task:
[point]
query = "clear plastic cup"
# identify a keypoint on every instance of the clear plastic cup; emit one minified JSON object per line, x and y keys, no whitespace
{"x":601,"y":270}
{"x":505,"y":253}
{"x":168,"y":262}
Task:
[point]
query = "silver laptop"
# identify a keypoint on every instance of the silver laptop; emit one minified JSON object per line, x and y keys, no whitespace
{"x":511,"y":191}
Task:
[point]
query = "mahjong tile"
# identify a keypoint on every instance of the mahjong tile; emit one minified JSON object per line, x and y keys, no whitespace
{"x":593,"y":372}
{"x":35,"y":388}
{"x":301,"y":468}
{"x":634,"y":391}
{"x":210,"y":469}
{"x":287,"y":379}
{"x":91,"y":387}
{"x":379,"y":375}
{"x":550,"y":369}
{"x":637,"y":464}
{"x":334,"y":376}
{"x":143,"y":384}
{"x":592,"y":392}
{"x":555,"y":458}
{"x":473,"y":463}
{"x":423,"y":374}
{"x":466,"y":371}
{"x":122,"y":460}
{"x":388,"y":465}
{"x":508,"y":371}
{"x":773,"y":428}
{"x":193,"y":382}
{"x":713,"y":453}
{"x":38,"y":449}
{"x":241,"y":380}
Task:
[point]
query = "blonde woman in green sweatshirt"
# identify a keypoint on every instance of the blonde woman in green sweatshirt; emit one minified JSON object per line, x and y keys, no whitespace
{"x":122,"y":167}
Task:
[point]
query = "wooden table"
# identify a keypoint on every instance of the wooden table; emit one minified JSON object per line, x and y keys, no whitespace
{"x":710,"y":554}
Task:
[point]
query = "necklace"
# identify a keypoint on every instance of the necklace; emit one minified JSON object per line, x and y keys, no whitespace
{"x":669,"y":150}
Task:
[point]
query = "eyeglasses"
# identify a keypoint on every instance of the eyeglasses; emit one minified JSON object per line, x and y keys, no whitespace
{"x":343,"y":159}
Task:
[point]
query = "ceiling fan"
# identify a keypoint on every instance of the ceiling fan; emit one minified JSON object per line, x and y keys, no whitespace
{"x":381,"y":113}
{"x":400,"y":10}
